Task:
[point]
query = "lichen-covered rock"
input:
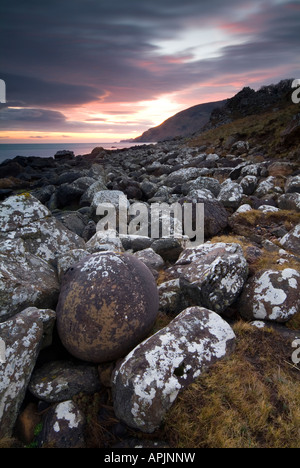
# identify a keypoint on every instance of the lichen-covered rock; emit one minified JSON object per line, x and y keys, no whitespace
{"x":60,"y":380}
{"x":108,"y":303}
{"x":25,"y":280}
{"x":171,"y":298}
{"x":293,"y":184}
{"x":289,"y":201}
{"x":19,"y":211}
{"x":231,"y":194}
{"x":24,"y":217}
{"x":151,"y":259}
{"x":212,"y":275}
{"x":63,"y":426}
{"x":271,"y":295}
{"x":291,"y":241}
{"x":147,"y":382}
{"x":23,"y":338}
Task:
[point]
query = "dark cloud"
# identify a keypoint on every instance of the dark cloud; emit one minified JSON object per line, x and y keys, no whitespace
{"x":25,"y":90}
{"x":72,"y":52}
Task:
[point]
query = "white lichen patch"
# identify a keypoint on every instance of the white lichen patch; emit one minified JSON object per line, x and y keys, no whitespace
{"x":272,"y":296}
{"x":67,"y":411}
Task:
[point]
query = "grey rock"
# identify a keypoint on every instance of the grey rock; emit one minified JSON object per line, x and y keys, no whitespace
{"x":22,"y":336}
{"x":146,"y":383}
{"x":63,"y":426}
{"x":271,"y":295}
{"x":212,"y":275}
{"x":61,"y":380}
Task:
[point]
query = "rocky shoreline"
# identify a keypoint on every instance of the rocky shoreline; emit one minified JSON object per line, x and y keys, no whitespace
{"x":112,"y":329}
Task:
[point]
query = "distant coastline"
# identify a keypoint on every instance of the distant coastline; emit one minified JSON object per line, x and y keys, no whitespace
{"x":46,"y":150}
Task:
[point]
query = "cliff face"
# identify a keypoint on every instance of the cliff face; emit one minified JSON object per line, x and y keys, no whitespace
{"x":182,"y":124}
{"x":210,"y":115}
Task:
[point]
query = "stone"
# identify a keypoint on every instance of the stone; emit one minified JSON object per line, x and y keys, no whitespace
{"x":24,"y":217}
{"x":212,"y":275}
{"x":23,"y":336}
{"x":64,"y":155}
{"x":289,"y":201}
{"x":67,"y":260}
{"x":63,"y":426}
{"x":103,"y":241}
{"x":113,"y":197}
{"x":61,"y":380}
{"x":151,"y":259}
{"x":108,"y":303}
{"x":171,"y":298}
{"x":271,"y":295}
{"x":18,"y":211}
{"x":265,"y":187}
{"x":249,"y":184}
{"x":74,"y":221}
{"x":231,"y":194}
{"x":292,"y":184}
{"x":25,"y":280}
{"x":146,"y":383}
{"x":97,"y":186}
{"x":207,"y":183}
{"x":186,"y":174}
{"x":291,"y":240}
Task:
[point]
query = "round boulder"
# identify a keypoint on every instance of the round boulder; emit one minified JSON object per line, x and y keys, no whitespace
{"x":107,"y":305}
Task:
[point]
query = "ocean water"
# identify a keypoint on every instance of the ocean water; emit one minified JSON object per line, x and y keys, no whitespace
{"x":45,"y":150}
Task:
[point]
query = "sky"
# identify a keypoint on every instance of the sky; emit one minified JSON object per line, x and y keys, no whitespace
{"x":107,"y":70}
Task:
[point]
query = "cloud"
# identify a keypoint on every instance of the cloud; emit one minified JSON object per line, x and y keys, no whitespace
{"x":76,"y":52}
{"x":36,"y":119}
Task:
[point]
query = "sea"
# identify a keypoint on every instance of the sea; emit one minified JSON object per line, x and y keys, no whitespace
{"x":46,"y":150}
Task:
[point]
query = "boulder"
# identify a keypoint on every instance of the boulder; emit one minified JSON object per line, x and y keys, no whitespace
{"x":171,"y":298}
{"x":271,"y":295}
{"x":289,"y":201}
{"x":23,"y":337}
{"x":24,"y":217}
{"x":108,"y":303}
{"x":60,"y":380}
{"x":292,"y":184}
{"x":249,"y":184}
{"x":63,"y":426}
{"x":212,"y":275}
{"x":202,"y":183}
{"x":18,"y":211}
{"x":151,"y":259}
{"x":25,"y":280}
{"x":146,"y":383}
{"x":231,"y":194}
{"x":291,"y":240}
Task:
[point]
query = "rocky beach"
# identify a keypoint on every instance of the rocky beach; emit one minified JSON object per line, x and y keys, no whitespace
{"x":112,"y":341}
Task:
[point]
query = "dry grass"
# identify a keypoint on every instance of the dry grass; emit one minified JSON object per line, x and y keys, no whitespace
{"x":250,"y":400}
{"x":259,"y":129}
